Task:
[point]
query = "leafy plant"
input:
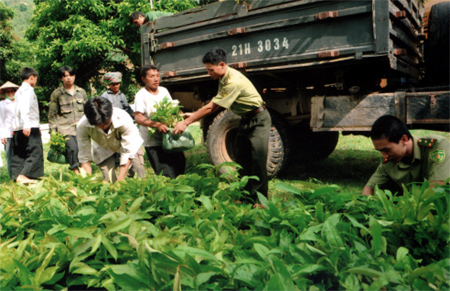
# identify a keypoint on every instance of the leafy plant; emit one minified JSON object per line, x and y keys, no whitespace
{"x":75,"y":232}
{"x":57,"y":142}
{"x":167,"y":112}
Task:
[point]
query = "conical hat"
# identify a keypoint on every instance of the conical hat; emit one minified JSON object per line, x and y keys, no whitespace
{"x":8,"y":85}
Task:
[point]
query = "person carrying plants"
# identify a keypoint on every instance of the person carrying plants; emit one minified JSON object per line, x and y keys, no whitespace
{"x":27,"y":157}
{"x":138,"y":18}
{"x":238,"y":94}
{"x":169,"y":164}
{"x":65,"y":111}
{"x":407,"y":158}
{"x":7,"y":108}
{"x":119,"y":100}
{"x":107,"y":130}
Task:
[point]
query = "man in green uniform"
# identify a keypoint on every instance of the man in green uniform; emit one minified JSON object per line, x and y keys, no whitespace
{"x":407,"y":159}
{"x":138,"y":18}
{"x":65,"y":110}
{"x":238,"y":94}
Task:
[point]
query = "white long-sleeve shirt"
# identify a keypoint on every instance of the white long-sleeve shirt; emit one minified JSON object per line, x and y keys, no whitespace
{"x":27,"y":108}
{"x":122,"y":137}
{"x":7,"y":113}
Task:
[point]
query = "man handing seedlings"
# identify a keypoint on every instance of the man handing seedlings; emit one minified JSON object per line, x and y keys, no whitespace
{"x":238,"y":94}
{"x":108,"y":130}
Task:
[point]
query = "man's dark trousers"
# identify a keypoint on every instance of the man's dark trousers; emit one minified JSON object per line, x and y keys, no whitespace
{"x":252,"y":146}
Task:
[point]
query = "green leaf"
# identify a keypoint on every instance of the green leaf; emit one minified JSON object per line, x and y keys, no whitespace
{"x":78,"y":232}
{"x":288,"y":188}
{"x":136,"y":204}
{"x":119,"y":225}
{"x":284,"y":278}
{"x":261,"y":250}
{"x":330,"y":231}
{"x":108,"y":245}
{"x":206,"y":202}
{"x":365,"y":271}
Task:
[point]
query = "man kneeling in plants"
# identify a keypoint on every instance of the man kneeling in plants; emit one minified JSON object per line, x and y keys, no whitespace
{"x":407,"y":159}
{"x":108,"y":130}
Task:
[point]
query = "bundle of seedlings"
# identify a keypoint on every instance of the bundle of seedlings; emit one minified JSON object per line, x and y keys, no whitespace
{"x":57,"y":151}
{"x":169,"y":113}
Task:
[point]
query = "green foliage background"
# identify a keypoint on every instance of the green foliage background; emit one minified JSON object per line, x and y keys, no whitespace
{"x":92,"y":36}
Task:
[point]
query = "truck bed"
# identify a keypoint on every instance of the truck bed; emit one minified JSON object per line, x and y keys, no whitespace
{"x":285,"y":37}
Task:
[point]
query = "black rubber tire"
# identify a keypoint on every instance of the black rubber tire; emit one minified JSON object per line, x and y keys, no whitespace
{"x":437,"y":49}
{"x":312,"y":146}
{"x":221,"y":137}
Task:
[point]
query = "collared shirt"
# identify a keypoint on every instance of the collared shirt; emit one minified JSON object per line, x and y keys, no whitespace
{"x":26,"y":109}
{"x":118,"y":100}
{"x":144,"y":103}
{"x":431,"y":163}
{"x":7,"y":108}
{"x":237,"y":93}
{"x":122,"y":137}
{"x":66,"y":110}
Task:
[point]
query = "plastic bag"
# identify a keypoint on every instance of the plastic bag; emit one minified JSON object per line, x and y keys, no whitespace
{"x":54,"y":156}
{"x":177,"y":143}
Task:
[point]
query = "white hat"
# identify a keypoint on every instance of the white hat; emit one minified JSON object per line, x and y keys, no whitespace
{"x":8,"y":85}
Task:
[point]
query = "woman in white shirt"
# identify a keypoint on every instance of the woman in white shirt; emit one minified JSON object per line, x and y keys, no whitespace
{"x":6,"y":118}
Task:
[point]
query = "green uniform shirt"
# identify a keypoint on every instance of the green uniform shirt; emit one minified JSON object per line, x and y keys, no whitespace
{"x":150,"y":16}
{"x":431,"y":161}
{"x":65,"y":110}
{"x":237,"y":93}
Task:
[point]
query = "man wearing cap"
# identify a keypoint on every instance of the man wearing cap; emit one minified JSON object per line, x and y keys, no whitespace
{"x":113,"y":94}
{"x":65,"y":110}
{"x":7,"y":108}
{"x":118,"y":100}
{"x":238,"y":94}
{"x":27,"y":157}
{"x":407,"y":158}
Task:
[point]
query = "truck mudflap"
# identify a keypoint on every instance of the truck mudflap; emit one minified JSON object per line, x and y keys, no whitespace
{"x":357,"y":113}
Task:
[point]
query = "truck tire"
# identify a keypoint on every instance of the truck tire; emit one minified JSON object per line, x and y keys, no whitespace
{"x":437,"y":50}
{"x":313,"y":146}
{"x":222,"y":134}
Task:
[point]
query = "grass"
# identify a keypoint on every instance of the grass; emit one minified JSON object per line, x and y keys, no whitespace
{"x":349,"y":166}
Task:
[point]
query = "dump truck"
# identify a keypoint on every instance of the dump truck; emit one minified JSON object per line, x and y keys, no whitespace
{"x":322,"y":67}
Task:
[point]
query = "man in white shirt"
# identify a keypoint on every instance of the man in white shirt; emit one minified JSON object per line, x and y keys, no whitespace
{"x":7,"y":113}
{"x":169,"y":164}
{"x":108,"y":131}
{"x":27,"y":157}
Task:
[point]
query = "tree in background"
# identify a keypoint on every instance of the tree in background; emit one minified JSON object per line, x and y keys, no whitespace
{"x":6,"y":41}
{"x":90,"y":36}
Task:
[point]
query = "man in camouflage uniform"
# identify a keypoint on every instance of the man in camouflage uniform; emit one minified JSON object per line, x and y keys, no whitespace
{"x":407,"y":159}
{"x":65,"y":111}
{"x":238,"y":94}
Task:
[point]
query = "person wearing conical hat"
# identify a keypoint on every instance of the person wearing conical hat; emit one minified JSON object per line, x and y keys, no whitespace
{"x":7,"y":108}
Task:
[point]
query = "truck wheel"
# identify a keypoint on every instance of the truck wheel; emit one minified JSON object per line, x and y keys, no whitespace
{"x":309,"y":145}
{"x":222,"y":134}
{"x":437,"y":49}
